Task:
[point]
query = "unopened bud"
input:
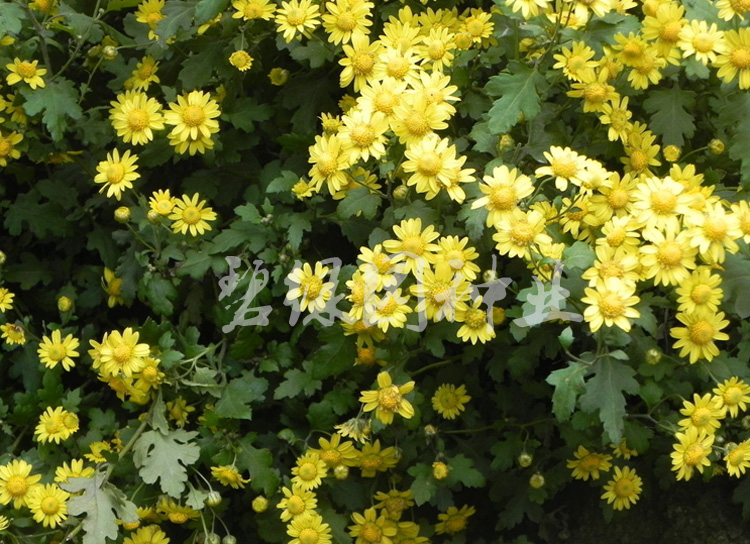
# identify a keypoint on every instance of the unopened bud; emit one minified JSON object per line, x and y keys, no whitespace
{"x":716,"y":147}
{"x":260,"y":504}
{"x":489,"y":275}
{"x":505,"y":142}
{"x":463,"y":40}
{"x":430,"y":431}
{"x":213,"y":499}
{"x":536,"y":481}
{"x":109,"y":52}
{"x":341,"y":472}
{"x":525,"y":460}
{"x":653,"y":356}
{"x":278,"y":76}
{"x":440,"y":470}
{"x":400,"y":193}
{"x":2,"y":258}
{"x":672,"y":153}
{"x":153,"y":217}
{"x":64,"y":304}
{"x":122,"y":214}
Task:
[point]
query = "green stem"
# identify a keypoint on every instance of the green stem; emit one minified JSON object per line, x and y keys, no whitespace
{"x":435,"y":365}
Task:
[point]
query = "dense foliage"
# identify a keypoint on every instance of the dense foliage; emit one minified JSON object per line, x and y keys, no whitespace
{"x":372,"y":272}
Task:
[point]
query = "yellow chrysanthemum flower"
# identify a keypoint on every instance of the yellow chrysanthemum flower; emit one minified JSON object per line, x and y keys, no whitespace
{"x":521,"y":232}
{"x":388,"y":399}
{"x":624,"y":489}
{"x":179,"y":411}
{"x":48,"y":504}
{"x":457,"y":254}
{"x":454,"y":520}
{"x":249,"y":10}
{"x":691,"y":453}
{"x":370,"y":528}
{"x":703,"y":414}
{"x":297,"y":17}
{"x":121,"y":354}
{"x":8,"y":145}
{"x":175,"y":512}
{"x":309,"y":471}
{"x":622,"y":451}
{"x":697,"y":338}
{"x":26,"y":71}
{"x":714,"y":233}
{"x":117,"y":173}
{"x":112,"y":286}
{"x":162,"y":202}
{"x":135,"y":116}
{"x":734,"y":63}
{"x":704,"y":41}
{"x":194,"y":117}
{"x":475,"y":323}
{"x":309,"y":528}
{"x":54,"y":349}
{"x":700,"y":291}
{"x":17,"y":483}
{"x":330,"y":159}
{"x":13,"y":334}
{"x":297,"y":502}
{"x":344,"y":19}
{"x":440,"y":292}
{"x":503,"y":190}
{"x":394,"y":503}
{"x":144,"y":75}
{"x":413,"y":246}
{"x":588,"y":464}
{"x":229,"y":475}
{"x":372,"y":459}
{"x":55,"y":425}
{"x":738,"y":458}
{"x":150,"y":534}
{"x":733,"y":395}
{"x":565,"y":165}
{"x":241,"y":60}
{"x":333,"y":452}
{"x":6,"y":300}
{"x":449,"y":401}
{"x":189,"y":215}
{"x":669,"y":257}
{"x":74,"y":469}
{"x":359,"y":61}
{"x":312,"y":289}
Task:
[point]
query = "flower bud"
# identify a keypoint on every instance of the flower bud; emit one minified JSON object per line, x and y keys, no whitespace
{"x":746,"y":423}
{"x":153,"y":217}
{"x":122,"y":214}
{"x":109,"y":52}
{"x":229,"y":539}
{"x":672,"y":153}
{"x":214,"y":499}
{"x":213,"y":538}
{"x":498,"y":315}
{"x":341,"y":472}
{"x":278,"y":76}
{"x":400,"y":193}
{"x":525,"y":460}
{"x":64,"y":304}
{"x":505,"y":142}
{"x":440,"y":470}
{"x":260,"y":504}
{"x":430,"y":431}
{"x":2,"y":258}
{"x":489,"y":275}
{"x":463,"y":40}
{"x":536,"y":481}
{"x":716,"y":147}
{"x":653,"y":356}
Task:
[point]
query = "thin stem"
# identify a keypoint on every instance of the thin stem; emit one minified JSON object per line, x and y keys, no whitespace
{"x":42,"y":42}
{"x":435,"y":365}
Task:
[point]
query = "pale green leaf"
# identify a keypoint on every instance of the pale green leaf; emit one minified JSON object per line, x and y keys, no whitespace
{"x":519,"y":94}
{"x":165,"y":458}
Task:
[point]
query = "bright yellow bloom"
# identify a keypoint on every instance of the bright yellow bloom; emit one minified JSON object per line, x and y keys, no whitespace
{"x":733,"y":395}
{"x":309,"y":528}
{"x":312,"y":289}
{"x":475,"y":323}
{"x":117,"y":173}
{"x":330,"y":158}
{"x":372,"y":459}
{"x":53,"y":350}
{"x":194,"y":117}
{"x":691,"y":453}
{"x":13,"y":334}
{"x":697,"y":338}
{"x":48,"y":504}
{"x":700,"y":291}
{"x":588,"y":464}
{"x":359,"y":62}
{"x":55,"y":425}
{"x":189,"y":215}
{"x":344,"y":19}
{"x":120,"y":354}
{"x":369,"y":528}
{"x":594,"y":90}
{"x":150,"y":534}
{"x":394,"y":503}
{"x":135,"y":116}
{"x":503,"y":190}
{"x":734,"y":63}
{"x":241,"y":60}
{"x":669,"y":257}
{"x":162,"y":202}
{"x":248,"y":10}
{"x":149,"y":13}
{"x":454,"y":520}
{"x":8,"y":145}
{"x":176,"y":513}
{"x":363,"y":134}
{"x":297,"y":17}
{"x":16,"y":483}
{"x":6,"y":300}
{"x":738,"y":459}
{"x":703,"y":414}
{"x":309,"y":471}
{"x":229,"y":475}
{"x":521,"y":232}
{"x":333,"y":452}
{"x":623,"y":489}
{"x":144,"y":75}
{"x":611,"y":304}
{"x":577,"y":62}
{"x":96,"y":452}
{"x":413,"y":245}
{"x":458,"y":255}
{"x":388,"y":399}
{"x":704,"y":41}
{"x":449,"y":401}
{"x":714,"y":233}
{"x":74,"y":469}
{"x":297,"y":503}
{"x":111,"y":285}
{"x":26,"y":71}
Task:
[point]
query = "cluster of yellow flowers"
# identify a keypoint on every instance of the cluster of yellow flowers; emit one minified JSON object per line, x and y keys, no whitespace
{"x":703,"y":416}
{"x":23,"y":72}
{"x":624,"y":489}
{"x":380,"y":524}
{"x":127,"y":366}
{"x":47,"y":502}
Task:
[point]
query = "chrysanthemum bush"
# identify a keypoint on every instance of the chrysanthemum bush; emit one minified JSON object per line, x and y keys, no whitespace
{"x":540,"y":210}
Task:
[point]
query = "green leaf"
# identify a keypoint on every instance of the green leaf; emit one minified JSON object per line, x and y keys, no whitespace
{"x":206,"y":10}
{"x":462,"y":471}
{"x":165,"y":457}
{"x":238,"y":395}
{"x":178,"y":16}
{"x":604,"y":393}
{"x":59,"y":102}
{"x":356,"y":201}
{"x":259,"y":463}
{"x":566,"y":338}
{"x":568,"y":384}
{"x":12,"y":17}
{"x":198,"y":68}
{"x":102,"y":503}
{"x":519,"y":94}
{"x":117,"y":5}
{"x":336,"y":354}
{"x":160,"y":292}
{"x":424,"y":485}
{"x":197,"y":263}
{"x":736,"y":285}
{"x":245,"y":112}
{"x":42,"y":218}
{"x":670,"y":117}
{"x":296,"y":225}
{"x":295,"y":382}
{"x":579,"y":255}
